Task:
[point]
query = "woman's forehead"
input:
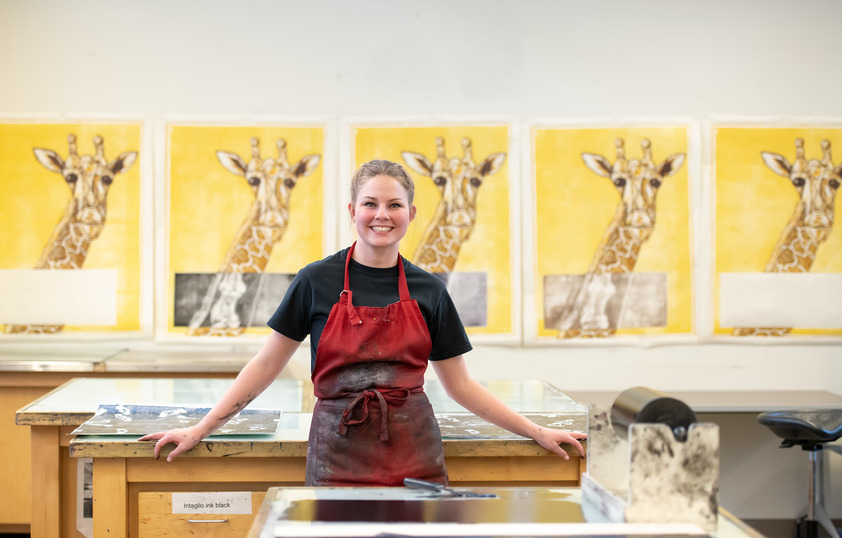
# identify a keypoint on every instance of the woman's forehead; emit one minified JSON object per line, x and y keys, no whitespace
{"x":382,"y":185}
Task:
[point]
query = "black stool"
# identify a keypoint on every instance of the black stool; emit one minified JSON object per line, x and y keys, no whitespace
{"x":810,"y":429}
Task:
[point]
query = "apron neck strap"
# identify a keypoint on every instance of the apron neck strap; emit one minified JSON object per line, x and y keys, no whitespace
{"x":403,"y":289}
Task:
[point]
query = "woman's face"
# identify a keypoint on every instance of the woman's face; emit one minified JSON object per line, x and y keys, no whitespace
{"x":381,"y":213}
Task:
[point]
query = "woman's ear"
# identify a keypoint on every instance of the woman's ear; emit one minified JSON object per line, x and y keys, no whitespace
{"x":412,"y":212}
{"x":351,"y":211}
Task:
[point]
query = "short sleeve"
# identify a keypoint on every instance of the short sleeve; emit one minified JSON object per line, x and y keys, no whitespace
{"x":293,"y":317}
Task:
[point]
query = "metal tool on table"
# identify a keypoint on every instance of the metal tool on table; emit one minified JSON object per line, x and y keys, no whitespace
{"x":414,"y":483}
{"x":649,"y":461}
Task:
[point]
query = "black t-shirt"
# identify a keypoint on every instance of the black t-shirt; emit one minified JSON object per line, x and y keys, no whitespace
{"x":316,"y":288}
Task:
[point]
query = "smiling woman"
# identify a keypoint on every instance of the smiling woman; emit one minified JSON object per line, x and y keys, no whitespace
{"x":373,"y":424}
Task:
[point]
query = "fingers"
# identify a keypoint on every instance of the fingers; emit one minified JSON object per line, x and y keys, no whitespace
{"x":163,"y":438}
{"x":561,"y":452}
{"x":556,"y":437}
{"x":578,"y":446}
{"x":175,"y":452}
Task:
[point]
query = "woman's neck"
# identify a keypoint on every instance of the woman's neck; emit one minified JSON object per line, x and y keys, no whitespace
{"x":375,"y":257}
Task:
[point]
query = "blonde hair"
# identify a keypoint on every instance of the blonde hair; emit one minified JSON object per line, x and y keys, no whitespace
{"x":382,"y":167}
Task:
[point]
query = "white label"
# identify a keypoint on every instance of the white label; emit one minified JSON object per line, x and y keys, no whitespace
{"x":805,"y":300}
{"x":81,"y":297}
{"x":212,"y":502}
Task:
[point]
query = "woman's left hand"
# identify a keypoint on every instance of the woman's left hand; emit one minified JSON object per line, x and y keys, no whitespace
{"x":551,"y":439}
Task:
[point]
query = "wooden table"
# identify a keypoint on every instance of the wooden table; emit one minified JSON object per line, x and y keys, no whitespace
{"x":28,"y":372}
{"x":475,"y":451}
{"x":53,"y":416}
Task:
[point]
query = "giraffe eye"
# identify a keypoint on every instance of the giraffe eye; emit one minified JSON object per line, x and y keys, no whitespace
{"x":619,"y":181}
{"x":107,"y":180}
{"x":254,"y":181}
{"x":834,"y":184}
{"x":289,"y":183}
{"x":655,"y":182}
{"x":798,"y":181}
{"x":476,"y":182}
{"x":439,"y":181}
{"x":71,"y":178}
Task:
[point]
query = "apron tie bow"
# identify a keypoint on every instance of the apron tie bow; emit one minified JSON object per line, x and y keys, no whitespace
{"x":394,"y":396}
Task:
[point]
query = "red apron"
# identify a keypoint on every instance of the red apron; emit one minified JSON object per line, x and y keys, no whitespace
{"x":372,"y":424}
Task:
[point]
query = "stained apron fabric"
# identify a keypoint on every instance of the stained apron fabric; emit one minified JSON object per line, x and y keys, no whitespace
{"x":373,"y":424}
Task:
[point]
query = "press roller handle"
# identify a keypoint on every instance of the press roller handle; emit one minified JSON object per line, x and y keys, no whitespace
{"x":645,"y":405}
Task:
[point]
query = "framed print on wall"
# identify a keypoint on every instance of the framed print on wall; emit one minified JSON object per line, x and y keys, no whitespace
{"x":71,"y":262}
{"x":610,"y":233}
{"x":466,"y":227}
{"x":777,"y":259}
{"x":245,"y":212}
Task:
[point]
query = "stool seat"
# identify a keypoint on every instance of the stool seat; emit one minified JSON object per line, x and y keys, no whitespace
{"x":810,"y":429}
{"x":804,"y":426}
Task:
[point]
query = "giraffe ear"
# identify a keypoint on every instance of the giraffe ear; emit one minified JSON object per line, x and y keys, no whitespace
{"x":418,"y":163}
{"x":839,"y":170}
{"x":598,"y":164}
{"x":671,"y":164}
{"x":49,"y":159}
{"x":306,"y":165}
{"x":777,"y":163}
{"x":491,"y":164}
{"x":123,"y":162}
{"x":232,"y":162}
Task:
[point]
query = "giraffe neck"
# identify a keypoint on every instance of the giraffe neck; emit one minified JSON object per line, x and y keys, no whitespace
{"x":67,"y":247}
{"x":617,"y":253}
{"x":252,"y":248}
{"x":795,"y":252}
{"x":439,"y":250}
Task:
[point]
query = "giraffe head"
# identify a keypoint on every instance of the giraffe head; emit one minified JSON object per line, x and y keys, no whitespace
{"x":637,"y":181}
{"x":89,"y":178}
{"x":816,"y":182}
{"x":458,"y":181}
{"x":272,"y":181}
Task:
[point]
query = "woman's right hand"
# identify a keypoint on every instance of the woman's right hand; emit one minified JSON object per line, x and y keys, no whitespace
{"x":183,"y":438}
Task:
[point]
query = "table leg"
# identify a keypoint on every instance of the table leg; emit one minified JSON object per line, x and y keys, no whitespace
{"x":111,"y":499}
{"x":46,"y":498}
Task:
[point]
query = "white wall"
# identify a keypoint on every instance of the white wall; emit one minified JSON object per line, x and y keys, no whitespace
{"x":437,"y":58}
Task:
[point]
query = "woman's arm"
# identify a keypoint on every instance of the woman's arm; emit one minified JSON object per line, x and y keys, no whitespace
{"x":470,"y":394}
{"x":252,"y":380}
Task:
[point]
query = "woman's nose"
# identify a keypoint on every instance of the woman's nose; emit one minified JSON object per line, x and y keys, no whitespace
{"x":381,"y":212}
